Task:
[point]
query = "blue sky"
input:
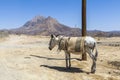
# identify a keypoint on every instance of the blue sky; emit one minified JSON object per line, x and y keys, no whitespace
{"x":101,"y":14}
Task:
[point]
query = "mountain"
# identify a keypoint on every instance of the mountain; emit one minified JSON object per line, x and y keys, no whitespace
{"x":99,"y":33}
{"x":40,"y":25}
{"x":45,"y":26}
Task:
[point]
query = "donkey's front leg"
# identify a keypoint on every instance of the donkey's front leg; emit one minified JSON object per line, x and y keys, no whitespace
{"x":69,"y":60}
{"x":66,"y":59}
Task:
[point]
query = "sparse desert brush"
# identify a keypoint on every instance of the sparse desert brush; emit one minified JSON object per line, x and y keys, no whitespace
{"x":4,"y":34}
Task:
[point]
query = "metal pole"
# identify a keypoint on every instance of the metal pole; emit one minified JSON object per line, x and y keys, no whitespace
{"x":84,"y":56}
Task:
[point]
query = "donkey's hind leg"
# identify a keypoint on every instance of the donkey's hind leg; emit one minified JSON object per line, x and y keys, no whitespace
{"x":93,"y":68}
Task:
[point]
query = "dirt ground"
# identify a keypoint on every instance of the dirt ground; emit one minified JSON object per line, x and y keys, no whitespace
{"x":28,"y":58}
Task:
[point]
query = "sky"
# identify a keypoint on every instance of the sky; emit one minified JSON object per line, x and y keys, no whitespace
{"x":101,"y":14}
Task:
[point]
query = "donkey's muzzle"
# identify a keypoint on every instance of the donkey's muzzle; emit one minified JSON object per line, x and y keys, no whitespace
{"x":50,"y":48}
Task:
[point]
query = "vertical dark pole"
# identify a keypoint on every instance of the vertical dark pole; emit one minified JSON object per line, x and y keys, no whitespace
{"x":84,"y":56}
{"x":83,"y":17}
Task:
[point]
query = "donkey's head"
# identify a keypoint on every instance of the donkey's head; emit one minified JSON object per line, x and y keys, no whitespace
{"x":53,"y":41}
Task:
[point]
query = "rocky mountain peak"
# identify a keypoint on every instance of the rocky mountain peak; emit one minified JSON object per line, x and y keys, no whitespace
{"x":38,"y":19}
{"x":51,"y":20}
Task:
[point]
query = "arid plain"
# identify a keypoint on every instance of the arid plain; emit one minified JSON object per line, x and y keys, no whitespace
{"x":28,"y":58}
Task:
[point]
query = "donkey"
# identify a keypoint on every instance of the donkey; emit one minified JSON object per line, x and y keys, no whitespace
{"x":75,"y":45}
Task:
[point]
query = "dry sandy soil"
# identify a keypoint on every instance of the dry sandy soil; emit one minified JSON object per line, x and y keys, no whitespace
{"x":28,"y":58}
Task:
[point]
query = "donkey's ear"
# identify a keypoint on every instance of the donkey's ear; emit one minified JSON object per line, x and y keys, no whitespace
{"x":52,"y":35}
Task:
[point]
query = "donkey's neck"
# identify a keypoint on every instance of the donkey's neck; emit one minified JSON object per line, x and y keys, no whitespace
{"x":59,"y":39}
{"x":63,"y":43}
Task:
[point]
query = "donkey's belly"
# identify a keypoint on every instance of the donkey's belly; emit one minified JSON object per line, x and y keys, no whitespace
{"x":74,"y":45}
{"x":76,"y":53}
{"x":73,"y":51}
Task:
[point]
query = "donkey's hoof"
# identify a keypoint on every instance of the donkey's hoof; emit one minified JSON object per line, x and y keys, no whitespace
{"x":93,"y":71}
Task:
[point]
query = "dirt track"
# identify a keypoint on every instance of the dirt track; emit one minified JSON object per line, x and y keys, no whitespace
{"x":28,"y":58}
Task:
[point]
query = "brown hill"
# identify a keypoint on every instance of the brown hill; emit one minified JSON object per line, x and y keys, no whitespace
{"x":40,"y":25}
